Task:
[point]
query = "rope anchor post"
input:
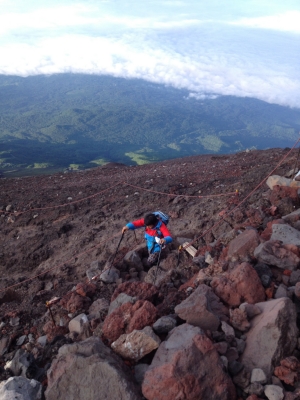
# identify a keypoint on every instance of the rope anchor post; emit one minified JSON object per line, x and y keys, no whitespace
{"x":49,"y":304}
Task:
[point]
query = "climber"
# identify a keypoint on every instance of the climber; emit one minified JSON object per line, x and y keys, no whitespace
{"x":157,"y":234}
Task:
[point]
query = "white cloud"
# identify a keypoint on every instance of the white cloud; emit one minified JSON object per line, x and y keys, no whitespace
{"x":287,"y":22}
{"x":193,"y":50}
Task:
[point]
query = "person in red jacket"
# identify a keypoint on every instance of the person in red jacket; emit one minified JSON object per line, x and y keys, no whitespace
{"x":156,"y":234}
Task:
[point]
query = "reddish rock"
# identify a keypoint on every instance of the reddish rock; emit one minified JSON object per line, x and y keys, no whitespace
{"x":270,"y":291}
{"x":293,"y":248}
{"x":242,"y":247}
{"x":144,"y":314}
{"x":255,"y":216}
{"x":74,"y":302}
{"x":266,"y":234}
{"x":280,"y":192}
{"x":242,"y":284}
{"x":86,"y":289}
{"x":288,"y":371}
{"x":141,"y":290}
{"x":53,"y":330}
{"x":187,"y":366}
{"x":127,"y":318}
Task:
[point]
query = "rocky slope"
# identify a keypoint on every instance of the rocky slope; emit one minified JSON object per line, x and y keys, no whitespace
{"x":220,"y":325}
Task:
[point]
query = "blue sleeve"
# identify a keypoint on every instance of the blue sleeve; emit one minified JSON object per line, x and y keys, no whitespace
{"x":168,"y":239}
{"x":130,"y":225}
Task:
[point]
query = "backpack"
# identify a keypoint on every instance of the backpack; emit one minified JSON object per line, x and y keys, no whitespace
{"x":162,"y":217}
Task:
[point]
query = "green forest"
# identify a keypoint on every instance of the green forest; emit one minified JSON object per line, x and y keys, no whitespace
{"x":50,"y":123}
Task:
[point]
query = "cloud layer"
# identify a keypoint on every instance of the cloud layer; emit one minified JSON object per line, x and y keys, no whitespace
{"x":252,"y":51}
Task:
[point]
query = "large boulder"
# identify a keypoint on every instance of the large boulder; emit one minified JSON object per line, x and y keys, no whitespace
{"x":242,"y":284}
{"x":187,"y":367}
{"x":272,"y":336}
{"x":242,"y":247}
{"x":273,"y":252}
{"x":89,"y":370}
{"x":202,"y":308}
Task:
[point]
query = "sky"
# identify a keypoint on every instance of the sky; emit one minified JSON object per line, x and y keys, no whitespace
{"x":246,"y":48}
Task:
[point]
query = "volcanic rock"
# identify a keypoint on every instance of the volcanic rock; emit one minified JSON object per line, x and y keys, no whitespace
{"x":137,"y":344}
{"x":272,"y":336}
{"x":129,"y":317}
{"x":202,"y":308}
{"x":273,"y":252}
{"x":239,"y":285}
{"x":83,"y":371}
{"x":140,"y":290}
{"x":187,"y":365}
{"x":242,"y":247}
{"x":18,"y":387}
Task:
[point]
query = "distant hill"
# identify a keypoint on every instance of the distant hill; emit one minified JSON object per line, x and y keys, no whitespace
{"x":48,"y":123}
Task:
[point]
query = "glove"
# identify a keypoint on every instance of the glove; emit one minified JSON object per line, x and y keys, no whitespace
{"x":157,"y":239}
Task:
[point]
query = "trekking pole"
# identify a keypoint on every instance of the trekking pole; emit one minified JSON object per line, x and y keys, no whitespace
{"x":116,"y":252}
{"x":158,"y":261}
{"x":135,"y":237}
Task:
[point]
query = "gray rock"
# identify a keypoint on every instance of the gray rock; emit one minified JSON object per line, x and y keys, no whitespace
{"x":120,"y":300}
{"x":42,"y":340}
{"x":234,"y":367}
{"x":139,"y":372}
{"x":20,"y":388}
{"x":281,"y":292}
{"x":273,"y":252}
{"x":22,"y":363}
{"x":251,"y":309}
{"x":258,"y":375}
{"x":266,"y":280}
{"x":110,"y":275}
{"x":89,"y":370}
{"x":242,"y":379}
{"x":94,"y":270}
{"x":164,"y":324}
{"x":132,"y":259}
{"x":272,"y":336}
{"x":228,"y":330}
{"x":286,"y":234}
{"x":21,"y":340}
{"x":255,"y":388}
{"x":3,"y":345}
{"x":202,"y":308}
{"x":274,"y":392}
{"x":295,"y":277}
{"x":240,"y":345}
{"x":98,"y":308}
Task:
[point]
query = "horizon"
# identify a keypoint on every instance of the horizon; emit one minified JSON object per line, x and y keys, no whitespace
{"x":250,"y":49}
